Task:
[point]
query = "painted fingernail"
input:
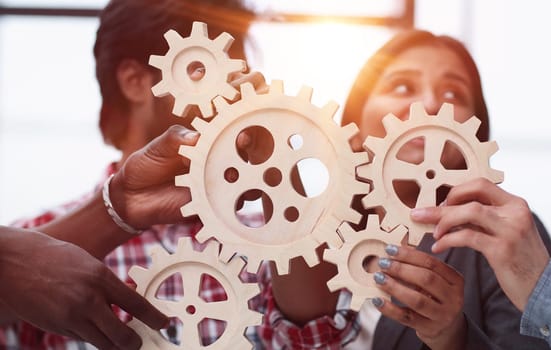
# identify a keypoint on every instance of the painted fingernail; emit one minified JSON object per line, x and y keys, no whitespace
{"x":384,"y":263}
{"x":379,"y":277}
{"x":391,"y":249}
{"x":378,"y":302}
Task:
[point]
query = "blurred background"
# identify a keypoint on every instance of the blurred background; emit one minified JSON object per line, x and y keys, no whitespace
{"x":51,"y":148}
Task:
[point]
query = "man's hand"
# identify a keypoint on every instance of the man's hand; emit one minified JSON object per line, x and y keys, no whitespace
{"x":60,"y":288}
{"x":143,"y":191}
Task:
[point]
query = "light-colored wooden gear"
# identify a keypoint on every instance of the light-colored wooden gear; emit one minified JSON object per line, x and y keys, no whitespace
{"x":436,"y":130}
{"x":351,"y":259}
{"x":186,"y":52}
{"x":317,"y":218}
{"x":191,"y":309}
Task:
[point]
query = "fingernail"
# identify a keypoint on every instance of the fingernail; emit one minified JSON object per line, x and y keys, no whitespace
{"x":384,"y":263}
{"x":444,"y":203}
{"x":434,"y":247}
{"x":418,"y":213}
{"x":378,"y":302}
{"x":391,"y":249}
{"x":189,"y":134}
{"x":379,"y":277}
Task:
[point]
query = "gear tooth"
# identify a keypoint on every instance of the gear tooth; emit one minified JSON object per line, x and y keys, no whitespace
{"x":389,"y":223}
{"x":446,"y":112}
{"x":224,"y":41}
{"x":157,"y":61}
{"x":331,"y":255}
{"x":183,"y":180}
{"x":172,"y":36}
{"x":200,"y":125}
{"x":158,"y":253}
{"x":360,"y":158}
{"x":138,"y":275}
{"x":276,"y":87}
{"x":356,"y":303}
{"x":491,"y":147}
{"x":364,"y":172}
{"x":184,"y":244}
{"x":226,"y":253}
{"x":253,"y":264}
{"x":345,"y":230}
{"x":333,"y":285}
{"x":160,"y":89}
{"x":353,"y":216}
{"x":305,"y":93}
{"x":391,"y":122}
{"x":311,"y":259}
{"x":283,"y":268}
{"x":211,"y":249}
{"x":230,"y":92}
{"x":220,"y":104}
{"x":251,"y":290}
{"x":374,"y":144}
{"x":247,"y":90}
{"x":181,"y":107}
{"x":186,"y":150}
{"x":373,"y":221}
{"x":415,"y":236}
{"x":350,"y":130}
{"x":188,"y":209}
{"x":237,"y":66}
{"x":203,"y":235}
{"x":199,"y":29}
{"x":236,"y":264}
{"x":330,"y":109}
{"x":206,"y":108}
{"x":497,"y":176}
{"x":471,"y":125}
{"x":417,"y":111}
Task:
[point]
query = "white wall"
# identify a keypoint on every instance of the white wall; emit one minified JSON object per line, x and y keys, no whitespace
{"x":509,"y":41}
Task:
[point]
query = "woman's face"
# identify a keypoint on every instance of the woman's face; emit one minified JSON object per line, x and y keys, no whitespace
{"x":430,"y":74}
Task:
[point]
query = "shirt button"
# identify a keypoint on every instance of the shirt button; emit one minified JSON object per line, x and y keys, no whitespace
{"x":545,"y":331}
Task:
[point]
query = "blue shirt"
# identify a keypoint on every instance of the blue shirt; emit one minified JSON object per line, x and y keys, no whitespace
{"x":536,"y":319}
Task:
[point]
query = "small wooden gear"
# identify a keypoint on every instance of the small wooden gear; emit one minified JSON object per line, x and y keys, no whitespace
{"x":191,"y":309}
{"x":352,"y":257}
{"x":430,"y":174}
{"x":187,"y":54}
{"x":298,"y":223}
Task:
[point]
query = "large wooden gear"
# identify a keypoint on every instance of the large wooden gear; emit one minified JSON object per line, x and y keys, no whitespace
{"x":199,"y":50}
{"x":351,"y":259}
{"x":191,"y":309}
{"x":315,"y":219}
{"x":385,"y":167}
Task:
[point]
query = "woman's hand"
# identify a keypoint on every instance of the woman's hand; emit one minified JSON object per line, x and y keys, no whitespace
{"x":480,"y":215}
{"x":431,"y":293}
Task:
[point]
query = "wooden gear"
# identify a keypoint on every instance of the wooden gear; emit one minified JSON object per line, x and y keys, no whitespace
{"x":437,"y":130}
{"x":351,"y":258}
{"x":192,"y":265}
{"x":214,"y":198}
{"x":196,"y":49}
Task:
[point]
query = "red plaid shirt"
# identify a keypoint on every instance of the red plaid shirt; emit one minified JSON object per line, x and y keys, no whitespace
{"x":274,"y":333}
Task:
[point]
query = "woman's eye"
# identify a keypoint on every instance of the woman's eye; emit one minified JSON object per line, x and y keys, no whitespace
{"x":401,"y":89}
{"x":450,"y":95}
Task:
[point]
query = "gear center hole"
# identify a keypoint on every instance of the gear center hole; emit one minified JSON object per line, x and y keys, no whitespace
{"x":430,"y":174}
{"x":196,"y":71}
{"x":370,"y":264}
{"x":190,"y":309}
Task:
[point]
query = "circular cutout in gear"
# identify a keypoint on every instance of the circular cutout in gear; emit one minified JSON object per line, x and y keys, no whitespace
{"x":430,"y":174}
{"x":183,"y":55}
{"x":357,"y":247}
{"x":191,"y":309}
{"x":290,"y":232}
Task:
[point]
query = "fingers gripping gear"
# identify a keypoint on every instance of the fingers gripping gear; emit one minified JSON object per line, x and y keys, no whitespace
{"x":297,"y":223}
{"x":196,"y":52}
{"x":351,"y":259}
{"x":192,"y":265}
{"x":385,"y":168}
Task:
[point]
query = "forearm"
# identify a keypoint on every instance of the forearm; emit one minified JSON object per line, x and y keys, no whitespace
{"x":89,"y":227}
{"x":7,"y":235}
